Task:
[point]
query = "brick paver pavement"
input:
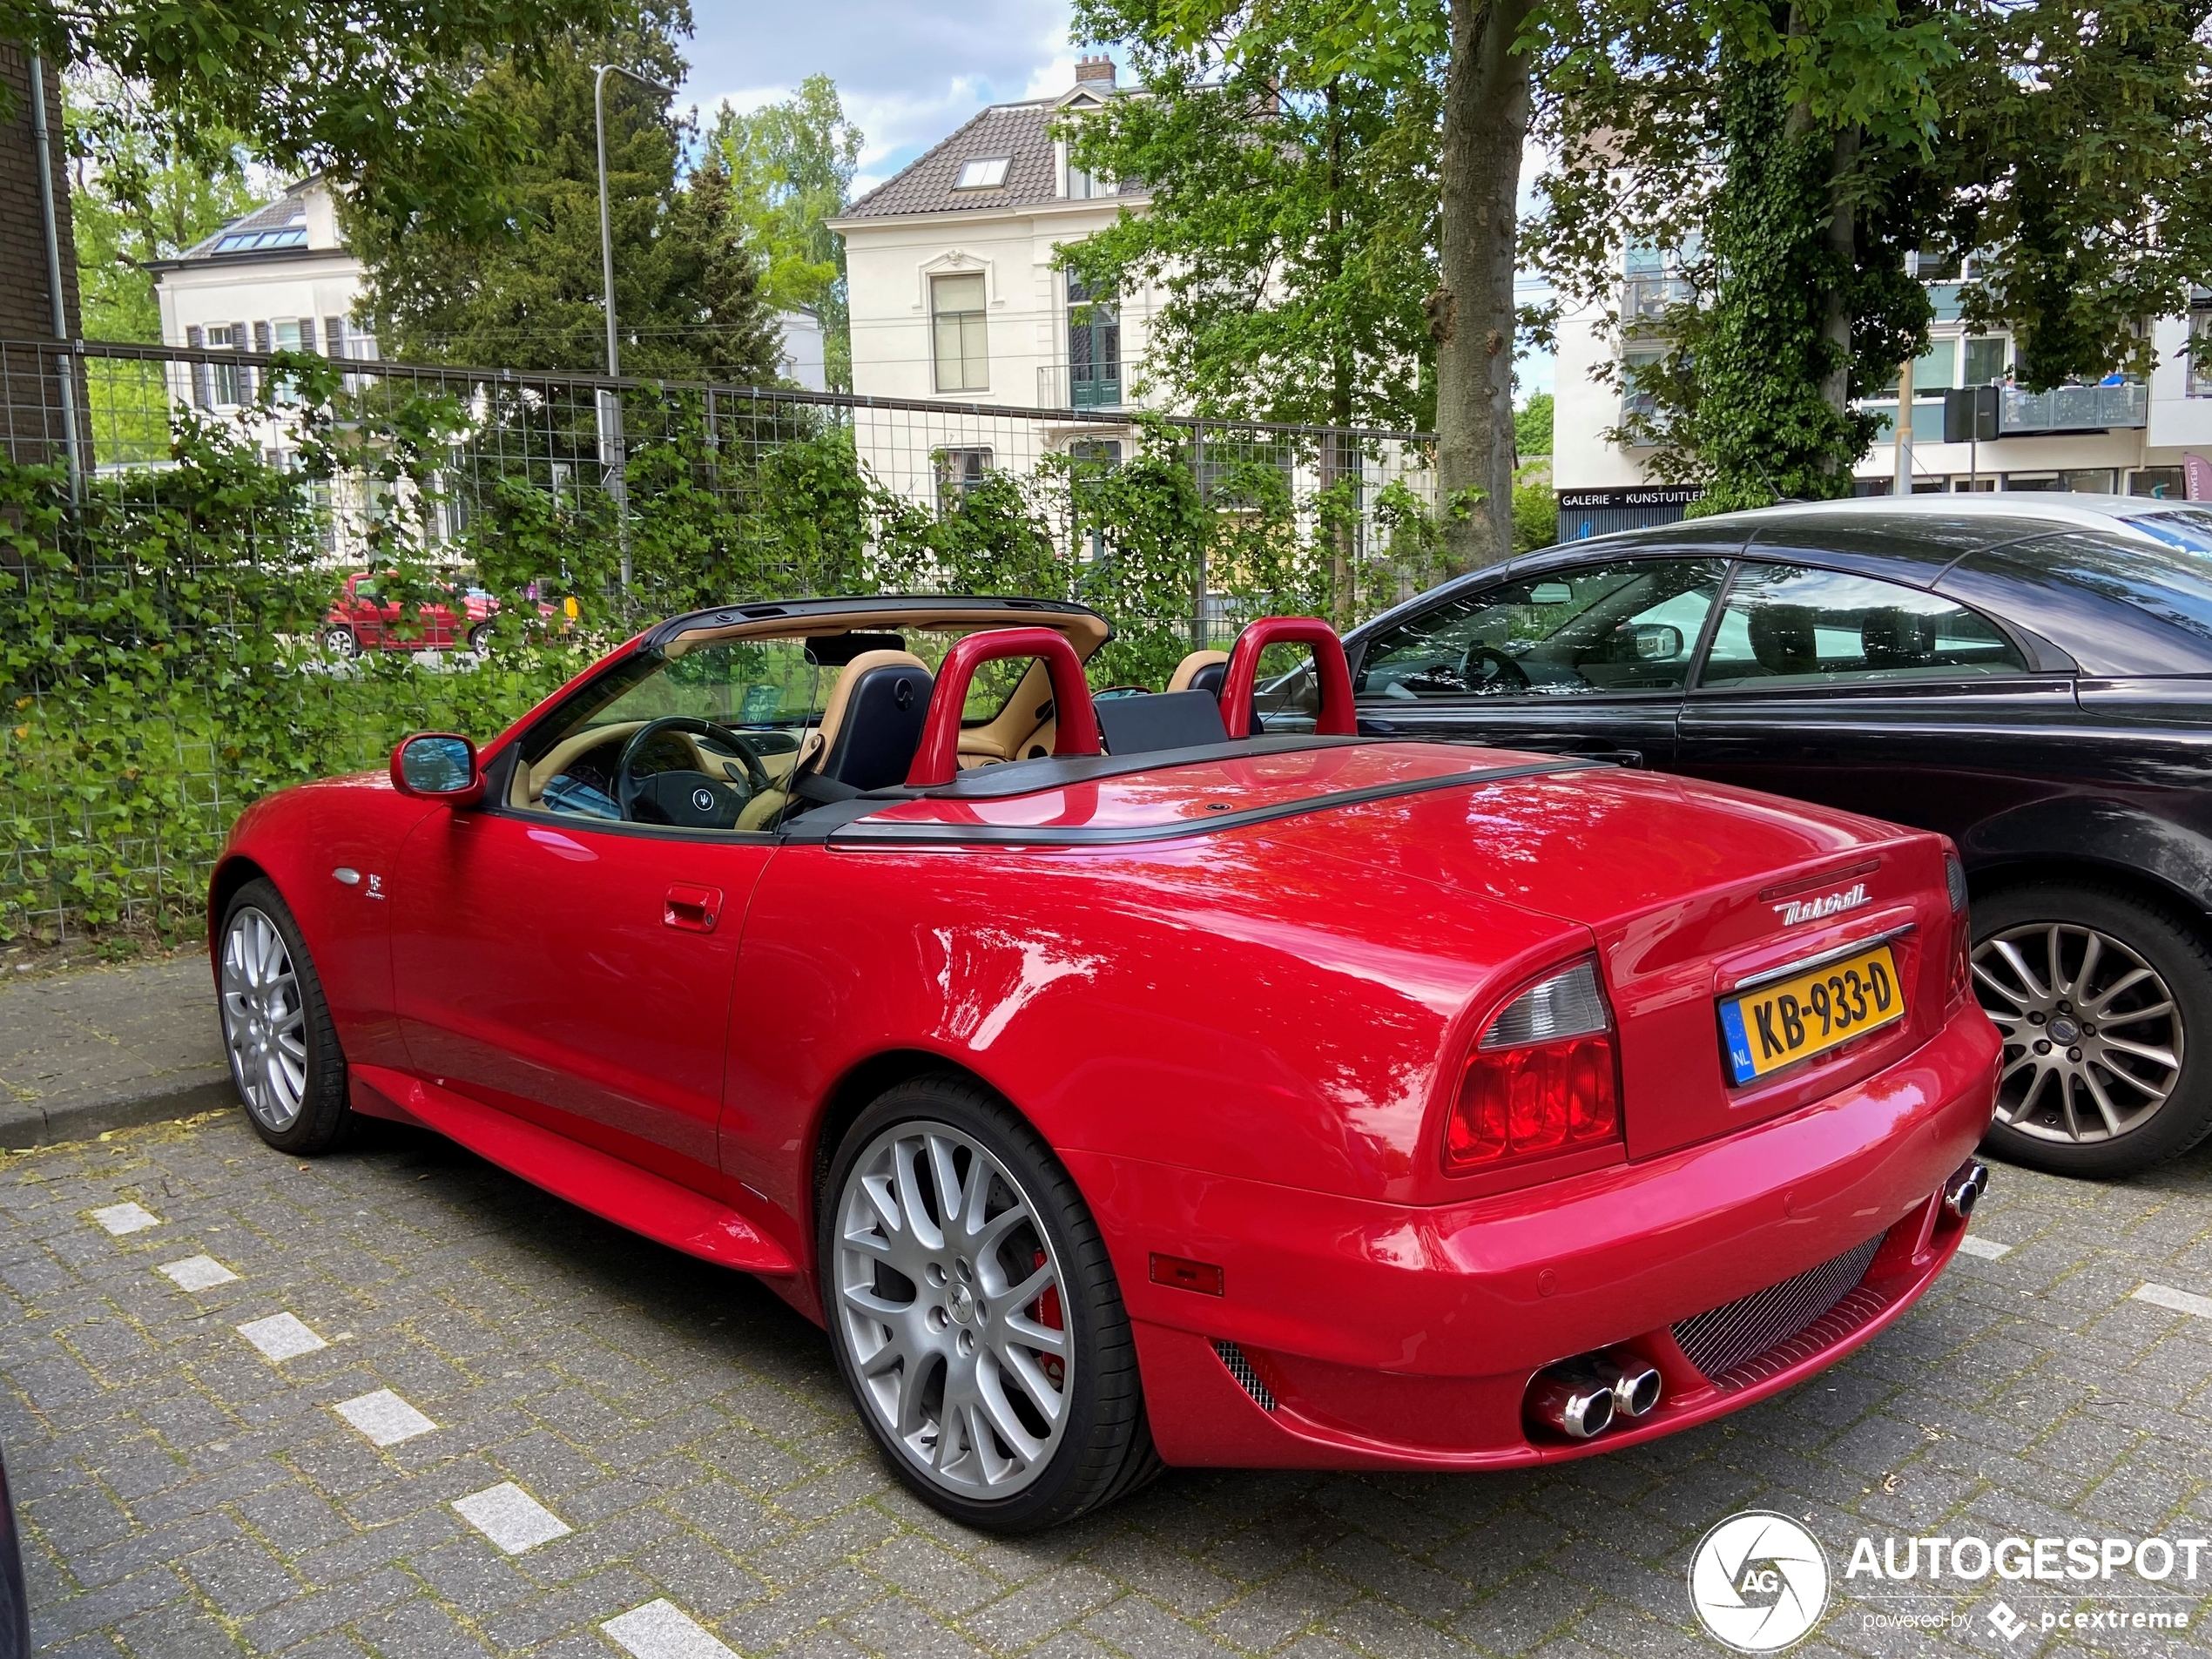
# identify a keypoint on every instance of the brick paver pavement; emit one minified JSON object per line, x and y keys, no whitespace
{"x":648,"y":1443}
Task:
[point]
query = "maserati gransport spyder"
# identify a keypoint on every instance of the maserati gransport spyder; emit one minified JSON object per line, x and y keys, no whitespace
{"x":1132,"y":1080}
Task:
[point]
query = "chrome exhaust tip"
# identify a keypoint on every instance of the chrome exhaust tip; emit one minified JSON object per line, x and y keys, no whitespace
{"x":1963,"y":1191}
{"x":1573,"y":1399}
{"x":1635,"y":1383}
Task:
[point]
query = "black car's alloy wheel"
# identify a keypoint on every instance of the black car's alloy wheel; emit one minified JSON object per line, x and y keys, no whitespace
{"x":285,"y":1063}
{"x":2105,"y":1003}
{"x":974,"y":1314}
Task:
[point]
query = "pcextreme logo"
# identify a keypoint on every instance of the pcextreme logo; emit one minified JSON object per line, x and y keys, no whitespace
{"x":1758,"y":1581}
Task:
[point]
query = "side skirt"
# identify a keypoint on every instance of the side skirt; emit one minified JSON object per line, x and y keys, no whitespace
{"x":607,"y":1187}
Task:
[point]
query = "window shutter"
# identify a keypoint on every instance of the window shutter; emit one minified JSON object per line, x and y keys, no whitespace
{"x":261,"y":337}
{"x":333,"y":334}
{"x":196,"y":338}
{"x":307,"y":333}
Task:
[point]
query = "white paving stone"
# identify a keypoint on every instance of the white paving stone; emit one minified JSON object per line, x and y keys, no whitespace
{"x":197,"y":1273}
{"x":384,"y":1418}
{"x":281,"y":1336}
{"x":511,"y":1517}
{"x":120,"y":1218}
{"x":2180,"y":1301}
{"x":1988,"y":1249}
{"x":662,"y":1630}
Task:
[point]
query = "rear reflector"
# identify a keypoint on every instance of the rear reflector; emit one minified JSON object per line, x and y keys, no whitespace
{"x":1184,"y":1274}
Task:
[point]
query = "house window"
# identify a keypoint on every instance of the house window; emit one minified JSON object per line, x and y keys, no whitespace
{"x":2161,"y":483}
{"x":958,"y":472}
{"x":226,"y":382}
{"x":956,"y":310}
{"x":1084,"y":186}
{"x":987,"y":174}
{"x":1984,"y":361}
{"x":1094,"y":347}
{"x":2201,"y":354}
{"x":1638,"y":399}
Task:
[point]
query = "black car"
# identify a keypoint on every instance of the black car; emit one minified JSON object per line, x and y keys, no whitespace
{"x":2030,"y":674}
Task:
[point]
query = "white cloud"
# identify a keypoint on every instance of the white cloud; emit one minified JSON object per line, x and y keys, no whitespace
{"x":909,"y":70}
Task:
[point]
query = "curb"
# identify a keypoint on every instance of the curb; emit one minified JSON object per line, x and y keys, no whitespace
{"x":31,"y":1124}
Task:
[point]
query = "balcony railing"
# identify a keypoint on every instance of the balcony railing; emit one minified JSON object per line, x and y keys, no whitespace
{"x":1082,"y":387}
{"x":2073,"y":408}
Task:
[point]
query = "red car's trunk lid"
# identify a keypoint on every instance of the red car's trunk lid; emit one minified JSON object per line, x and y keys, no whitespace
{"x":1689,"y":890}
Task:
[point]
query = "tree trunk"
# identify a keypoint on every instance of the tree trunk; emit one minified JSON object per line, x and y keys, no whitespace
{"x":1843,"y":247}
{"x":1471,"y":316}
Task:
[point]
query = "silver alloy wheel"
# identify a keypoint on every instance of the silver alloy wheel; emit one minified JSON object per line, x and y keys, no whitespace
{"x":264,"y":1020}
{"x":951,"y":1301}
{"x":2092,"y":1038}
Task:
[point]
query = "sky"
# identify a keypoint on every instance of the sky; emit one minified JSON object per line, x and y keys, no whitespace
{"x":909,"y":70}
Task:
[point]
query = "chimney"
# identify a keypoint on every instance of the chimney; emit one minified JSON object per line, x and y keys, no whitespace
{"x":1098,"y":69}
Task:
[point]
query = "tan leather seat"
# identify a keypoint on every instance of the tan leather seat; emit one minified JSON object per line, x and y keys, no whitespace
{"x":762,"y":809}
{"x":1187,"y":670}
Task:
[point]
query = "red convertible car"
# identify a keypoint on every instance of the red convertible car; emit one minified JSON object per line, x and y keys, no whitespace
{"x":1120,"y":1084}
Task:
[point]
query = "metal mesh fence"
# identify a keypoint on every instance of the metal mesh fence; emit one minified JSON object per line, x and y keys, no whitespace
{"x":184,"y":536}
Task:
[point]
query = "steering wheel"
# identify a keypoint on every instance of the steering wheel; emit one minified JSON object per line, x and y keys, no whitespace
{"x":685,"y":796}
{"x":1485,"y":669}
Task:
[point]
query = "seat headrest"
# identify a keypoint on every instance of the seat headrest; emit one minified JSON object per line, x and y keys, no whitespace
{"x":1187,"y":674}
{"x":873,"y":725}
{"x":1783,"y":639}
{"x":1895,"y":638}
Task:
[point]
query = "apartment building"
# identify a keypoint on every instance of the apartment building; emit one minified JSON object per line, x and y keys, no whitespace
{"x":954,"y":293}
{"x":2127,"y":436}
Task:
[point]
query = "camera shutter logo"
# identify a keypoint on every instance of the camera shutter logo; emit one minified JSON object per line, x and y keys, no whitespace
{"x":1758,"y":1581}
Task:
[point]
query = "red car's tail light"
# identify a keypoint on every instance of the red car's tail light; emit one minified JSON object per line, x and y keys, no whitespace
{"x":1542,"y":1079}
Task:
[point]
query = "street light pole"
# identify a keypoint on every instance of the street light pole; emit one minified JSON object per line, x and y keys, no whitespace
{"x":611,"y":455}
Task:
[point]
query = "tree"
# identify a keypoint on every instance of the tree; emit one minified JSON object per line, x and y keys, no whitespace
{"x":375,"y":90}
{"x":1291,"y":217}
{"x":1789,"y":157}
{"x":134,"y":197}
{"x":686,"y":284}
{"x":791,"y":170}
{"x":1532,"y":426}
{"x":1469,"y":61}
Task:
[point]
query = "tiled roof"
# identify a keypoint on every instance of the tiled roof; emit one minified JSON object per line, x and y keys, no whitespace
{"x":1021,"y":132}
{"x":277,"y":226}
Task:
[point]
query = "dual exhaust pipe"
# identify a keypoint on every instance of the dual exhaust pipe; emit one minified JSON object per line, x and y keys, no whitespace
{"x":1581,"y":1397}
{"x":1963,"y":1191}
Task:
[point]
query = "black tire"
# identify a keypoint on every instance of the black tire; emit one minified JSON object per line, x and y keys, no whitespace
{"x":342,"y":642}
{"x":1105,"y":1447}
{"x":2158,"y":1089}
{"x":251,"y":1009}
{"x":480,"y":637}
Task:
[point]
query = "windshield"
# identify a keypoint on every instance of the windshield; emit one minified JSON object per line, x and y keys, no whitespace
{"x":2187,"y":528}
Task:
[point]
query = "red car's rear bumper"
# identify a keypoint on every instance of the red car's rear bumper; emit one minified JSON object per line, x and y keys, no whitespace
{"x":1398,"y":1335}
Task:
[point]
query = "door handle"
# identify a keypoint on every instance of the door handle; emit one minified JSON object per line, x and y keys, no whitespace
{"x":693,"y":910}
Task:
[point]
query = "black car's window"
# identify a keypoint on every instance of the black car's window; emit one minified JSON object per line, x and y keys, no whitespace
{"x":1788,"y":621}
{"x":1627,"y":626}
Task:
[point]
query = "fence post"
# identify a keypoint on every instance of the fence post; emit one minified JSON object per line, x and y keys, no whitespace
{"x":1200,"y":635}
{"x":614,"y":471}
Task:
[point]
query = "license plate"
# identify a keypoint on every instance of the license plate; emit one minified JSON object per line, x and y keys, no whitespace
{"x":1808,"y":1013}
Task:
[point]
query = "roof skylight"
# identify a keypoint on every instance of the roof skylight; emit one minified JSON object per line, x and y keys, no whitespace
{"x":987,"y":174}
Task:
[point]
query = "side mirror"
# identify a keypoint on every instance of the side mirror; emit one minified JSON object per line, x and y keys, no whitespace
{"x":1656,"y":642}
{"x":438,"y":766}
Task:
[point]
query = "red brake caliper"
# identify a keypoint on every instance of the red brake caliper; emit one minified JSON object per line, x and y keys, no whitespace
{"x":1048,"y":1316}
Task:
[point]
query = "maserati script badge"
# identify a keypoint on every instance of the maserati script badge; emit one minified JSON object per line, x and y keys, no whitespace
{"x":1833,"y":904}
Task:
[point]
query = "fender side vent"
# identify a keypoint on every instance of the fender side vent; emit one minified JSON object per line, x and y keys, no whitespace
{"x":1247,"y":1378}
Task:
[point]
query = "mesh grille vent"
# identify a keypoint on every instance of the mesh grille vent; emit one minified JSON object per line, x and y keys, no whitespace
{"x":1247,"y":1378}
{"x":1718,"y":1341}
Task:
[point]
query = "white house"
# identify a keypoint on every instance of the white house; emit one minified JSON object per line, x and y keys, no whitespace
{"x":954,"y":296}
{"x":2126,"y":437}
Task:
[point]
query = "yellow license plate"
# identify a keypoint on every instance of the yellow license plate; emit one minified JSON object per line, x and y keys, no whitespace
{"x":1808,"y":1013}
